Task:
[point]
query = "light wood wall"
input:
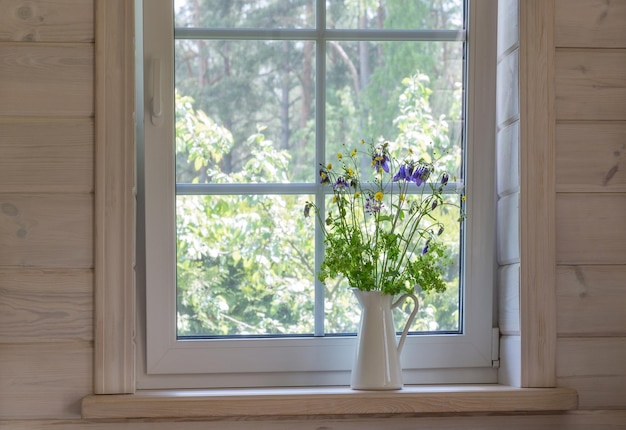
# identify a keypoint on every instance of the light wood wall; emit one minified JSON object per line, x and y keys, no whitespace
{"x":590,"y":85}
{"x":47,"y":228}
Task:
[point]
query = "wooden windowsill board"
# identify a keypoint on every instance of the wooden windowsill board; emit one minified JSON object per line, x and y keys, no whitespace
{"x":279,"y":402}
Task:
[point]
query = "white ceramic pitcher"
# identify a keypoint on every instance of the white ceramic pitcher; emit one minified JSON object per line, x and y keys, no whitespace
{"x":377,"y":358}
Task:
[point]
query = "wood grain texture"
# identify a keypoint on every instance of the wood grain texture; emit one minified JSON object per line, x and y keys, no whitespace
{"x":596,"y":368}
{"x":46,"y":79}
{"x":114,"y":198}
{"x":591,"y":157}
{"x":324,"y":401}
{"x":45,"y":380}
{"x":590,"y":23}
{"x":537,"y":189}
{"x":591,"y":300}
{"x":47,"y":155}
{"x":573,"y":420}
{"x":590,"y":228}
{"x":47,"y":231}
{"x":590,"y":84}
{"x":46,"y":21}
{"x":45,"y":305}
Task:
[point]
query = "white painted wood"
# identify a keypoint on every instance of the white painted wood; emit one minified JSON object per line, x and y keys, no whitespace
{"x":590,"y":228}
{"x":508,"y":92}
{"x":508,"y":25}
{"x":46,"y":21}
{"x":591,"y":300}
{"x":508,"y":299}
{"x":507,"y":164}
{"x":46,"y":155}
{"x":537,"y":189}
{"x":34,"y":78}
{"x":591,"y":84}
{"x":44,"y":381}
{"x":508,"y":229}
{"x":590,"y":23}
{"x":114,"y":198}
{"x":591,"y":157}
{"x":46,"y":230}
{"x":45,"y":305}
{"x":510,"y":361}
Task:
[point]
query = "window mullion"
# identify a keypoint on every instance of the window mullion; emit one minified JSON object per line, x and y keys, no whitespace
{"x":320,"y":156}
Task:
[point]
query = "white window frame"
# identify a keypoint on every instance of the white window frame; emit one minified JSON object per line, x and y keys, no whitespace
{"x":165,"y":362}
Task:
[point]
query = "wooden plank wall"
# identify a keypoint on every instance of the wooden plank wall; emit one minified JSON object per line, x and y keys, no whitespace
{"x":46,"y":225}
{"x":591,"y":200}
{"x":46,"y":207}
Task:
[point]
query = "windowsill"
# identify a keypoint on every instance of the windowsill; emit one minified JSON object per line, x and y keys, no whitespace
{"x":279,"y":402}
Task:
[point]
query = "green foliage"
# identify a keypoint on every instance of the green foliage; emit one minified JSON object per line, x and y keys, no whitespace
{"x":384,"y":236}
{"x":246,"y":114}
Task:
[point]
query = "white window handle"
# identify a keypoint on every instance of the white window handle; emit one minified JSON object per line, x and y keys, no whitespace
{"x":156,"y":111}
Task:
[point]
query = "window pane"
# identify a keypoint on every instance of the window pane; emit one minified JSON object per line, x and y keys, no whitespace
{"x":406,"y":92}
{"x":258,"y":121}
{"x":395,"y":15}
{"x":245,"y":13}
{"x":244,"y":265}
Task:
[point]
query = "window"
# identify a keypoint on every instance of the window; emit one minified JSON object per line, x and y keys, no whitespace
{"x":243,"y":101}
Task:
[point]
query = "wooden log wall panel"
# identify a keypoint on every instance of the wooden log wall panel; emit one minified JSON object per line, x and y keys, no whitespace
{"x":590,"y":84}
{"x":596,"y":368}
{"x":48,"y":230}
{"x":508,"y":26}
{"x":590,"y":23}
{"x":46,"y":21}
{"x":507,"y":93}
{"x":508,"y":299}
{"x":590,"y":228}
{"x":591,"y":157}
{"x":47,"y":155}
{"x":46,"y":79}
{"x":578,"y":420}
{"x":45,"y":305}
{"x":45,"y":380}
{"x":507,"y":164}
{"x":591,"y":300}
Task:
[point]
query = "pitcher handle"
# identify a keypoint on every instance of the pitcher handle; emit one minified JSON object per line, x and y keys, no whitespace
{"x":397,"y":303}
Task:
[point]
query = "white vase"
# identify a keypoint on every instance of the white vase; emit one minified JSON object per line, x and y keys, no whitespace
{"x":377,"y":358}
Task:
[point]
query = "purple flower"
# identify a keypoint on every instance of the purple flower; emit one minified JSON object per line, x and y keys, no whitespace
{"x":307,"y":209}
{"x":324,"y":178}
{"x":420,"y":175}
{"x":444,"y":179}
{"x":434,"y":205}
{"x":425,"y":250}
{"x":380,"y":161}
{"x":404,"y":173}
{"x":341,"y":184}
{"x":372,"y":205}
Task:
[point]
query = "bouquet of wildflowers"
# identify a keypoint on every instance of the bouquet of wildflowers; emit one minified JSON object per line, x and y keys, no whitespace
{"x":381,"y":235}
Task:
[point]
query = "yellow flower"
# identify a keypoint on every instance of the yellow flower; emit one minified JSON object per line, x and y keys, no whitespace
{"x":463,"y":198}
{"x":357,"y":195}
{"x":329,"y":167}
{"x":379,"y":196}
{"x":410,"y":151}
{"x":334,"y":199}
{"x":402,"y":197}
{"x":362,"y":142}
{"x":353,"y":153}
{"x":349,"y":172}
{"x":339,"y":156}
